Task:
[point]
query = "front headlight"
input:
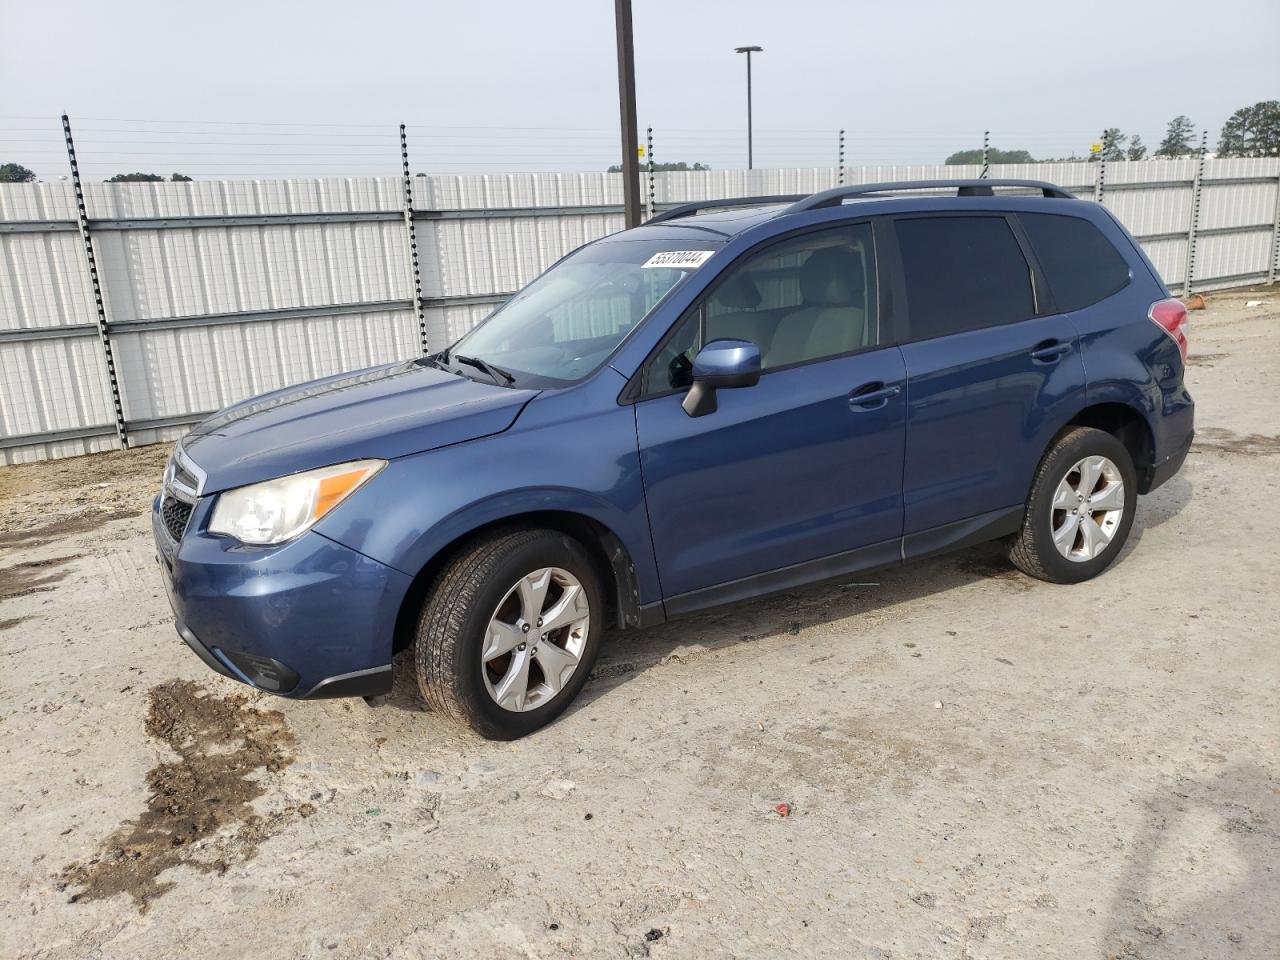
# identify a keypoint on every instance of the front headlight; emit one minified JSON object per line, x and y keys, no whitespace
{"x":281,"y":509}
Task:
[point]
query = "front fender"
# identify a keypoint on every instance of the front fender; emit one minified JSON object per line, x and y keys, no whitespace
{"x":572,"y":451}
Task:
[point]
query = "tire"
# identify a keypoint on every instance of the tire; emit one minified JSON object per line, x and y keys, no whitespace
{"x":472,"y":610}
{"x":1081,"y":531}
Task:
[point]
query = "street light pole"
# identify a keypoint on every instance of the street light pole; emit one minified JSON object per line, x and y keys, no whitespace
{"x":627,"y":110}
{"x":749,"y":51}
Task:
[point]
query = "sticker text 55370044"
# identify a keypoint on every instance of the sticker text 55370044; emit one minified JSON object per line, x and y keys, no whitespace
{"x":678,"y":259}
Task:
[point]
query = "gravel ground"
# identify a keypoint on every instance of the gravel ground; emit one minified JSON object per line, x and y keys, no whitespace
{"x":977,"y":764}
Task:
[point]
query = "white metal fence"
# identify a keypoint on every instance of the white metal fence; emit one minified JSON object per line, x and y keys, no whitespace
{"x":212,"y":291}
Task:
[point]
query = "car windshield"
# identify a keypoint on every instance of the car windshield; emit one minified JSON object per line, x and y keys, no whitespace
{"x":566,"y":323}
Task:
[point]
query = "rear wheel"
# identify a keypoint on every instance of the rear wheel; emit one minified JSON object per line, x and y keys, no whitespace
{"x":508,"y":635}
{"x":1080,"y":509}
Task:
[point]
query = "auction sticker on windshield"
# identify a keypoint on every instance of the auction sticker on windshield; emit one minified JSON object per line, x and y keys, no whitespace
{"x":678,"y":259}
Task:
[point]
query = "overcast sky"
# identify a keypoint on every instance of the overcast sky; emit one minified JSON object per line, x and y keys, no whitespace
{"x":207,"y":88}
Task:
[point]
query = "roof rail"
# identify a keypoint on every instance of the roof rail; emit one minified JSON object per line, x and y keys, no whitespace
{"x":964,"y":188}
{"x":688,"y":209}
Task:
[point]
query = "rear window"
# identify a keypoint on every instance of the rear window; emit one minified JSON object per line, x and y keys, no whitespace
{"x":1080,"y":264}
{"x":962,"y":273}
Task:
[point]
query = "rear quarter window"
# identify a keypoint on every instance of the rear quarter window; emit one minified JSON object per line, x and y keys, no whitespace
{"x":1080,"y":264}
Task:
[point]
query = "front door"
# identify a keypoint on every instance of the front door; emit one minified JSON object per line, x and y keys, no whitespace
{"x":805,"y":467}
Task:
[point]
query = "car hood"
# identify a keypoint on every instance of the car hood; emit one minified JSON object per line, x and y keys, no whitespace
{"x":383,"y":412}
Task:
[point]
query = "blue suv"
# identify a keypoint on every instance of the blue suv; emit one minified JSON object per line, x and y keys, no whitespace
{"x":736,"y":398}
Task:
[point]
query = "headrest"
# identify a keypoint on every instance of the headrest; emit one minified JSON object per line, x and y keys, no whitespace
{"x":739,"y":292}
{"x":831,"y":278}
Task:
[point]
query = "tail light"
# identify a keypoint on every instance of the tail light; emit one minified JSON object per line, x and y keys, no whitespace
{"x":1170,"y":315}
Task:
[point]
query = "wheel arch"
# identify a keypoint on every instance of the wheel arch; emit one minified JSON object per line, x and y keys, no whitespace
{"x":1127,"y":424}
{"x":610,"y":556}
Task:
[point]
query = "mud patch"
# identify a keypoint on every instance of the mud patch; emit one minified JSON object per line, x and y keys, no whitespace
{"x":844,"y":756}
{"x":1248,"y":445}
{"x":220,"y":744}
{"x":1205,"y":359}
{"x":68,"y":526}
{"x":11,"y":622}
{"x":34,"y":576}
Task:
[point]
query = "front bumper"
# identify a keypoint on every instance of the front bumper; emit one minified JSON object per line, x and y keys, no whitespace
{"x":308,"y":619}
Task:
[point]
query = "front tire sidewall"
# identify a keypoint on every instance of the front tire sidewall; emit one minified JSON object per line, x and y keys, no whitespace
{"x":1073,"y":448}
{"x":489,"y":719}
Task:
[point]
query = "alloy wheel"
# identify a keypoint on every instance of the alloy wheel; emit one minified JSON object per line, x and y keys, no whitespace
{"x":535,"y":638}
{"x":1087,"y":509}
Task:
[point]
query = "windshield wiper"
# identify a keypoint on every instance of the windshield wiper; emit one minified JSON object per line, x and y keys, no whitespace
{"x":493,"y":372}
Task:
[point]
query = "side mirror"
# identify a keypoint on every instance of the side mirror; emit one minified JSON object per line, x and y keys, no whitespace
{"x":721,"y":364}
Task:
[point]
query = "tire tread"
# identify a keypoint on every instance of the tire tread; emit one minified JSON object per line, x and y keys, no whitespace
{"x":442,"y":621}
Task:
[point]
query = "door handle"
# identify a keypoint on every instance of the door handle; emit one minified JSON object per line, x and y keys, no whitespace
{"x":872,"y":396}
{"x":1051,"y":351}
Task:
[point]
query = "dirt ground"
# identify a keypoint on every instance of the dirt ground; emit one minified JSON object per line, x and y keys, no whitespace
{"x":977,"y":764}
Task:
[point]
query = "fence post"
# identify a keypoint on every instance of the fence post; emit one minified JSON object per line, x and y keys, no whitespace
{"x":412,"y":237}
{"x":104,"y":335}
{"x":840,"y":163}
{"x":1100,"y":179}
{"x":986,"y":153}
{"x":648,"y":152}
{"x":1274,"y":270}
{"x":1192,"y":231}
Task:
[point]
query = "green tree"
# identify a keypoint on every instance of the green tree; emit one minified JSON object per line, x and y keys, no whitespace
{"x":148,"y":178}
{"x":994,"y":155}
{"x":1252,"y":131}
{"x":1137,"y":149}
{"x":1177,"y":138}
{"x":15,"y":173}
{"x":1113,"y":142}
{"x":663,"y":167}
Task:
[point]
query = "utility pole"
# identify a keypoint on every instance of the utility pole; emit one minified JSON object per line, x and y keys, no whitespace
{"x":749,"y":51}
{"x":627,"y":110}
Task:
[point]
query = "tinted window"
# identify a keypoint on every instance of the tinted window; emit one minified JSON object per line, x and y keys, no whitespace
{"x":803,"y":299}
{"x":962,"y":273}
{"x":1080,"y":263}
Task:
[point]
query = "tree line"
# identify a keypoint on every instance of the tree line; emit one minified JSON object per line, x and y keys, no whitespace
{"x":1249,"y":132}
{"x":17,"y":173}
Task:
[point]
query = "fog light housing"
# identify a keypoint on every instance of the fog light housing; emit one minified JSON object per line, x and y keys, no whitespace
{"x":264,"y":672}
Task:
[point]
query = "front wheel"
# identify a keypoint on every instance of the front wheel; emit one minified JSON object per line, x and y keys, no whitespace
{"x":1080,"y":509}
{"x":509,"y":633}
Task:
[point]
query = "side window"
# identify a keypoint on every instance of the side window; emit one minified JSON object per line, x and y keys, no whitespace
{"x":802,"y":299}
{"x":1081,"y":265}
{"x":962,"y":273}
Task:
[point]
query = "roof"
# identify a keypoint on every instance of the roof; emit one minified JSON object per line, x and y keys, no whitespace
{"x":734,"y":215}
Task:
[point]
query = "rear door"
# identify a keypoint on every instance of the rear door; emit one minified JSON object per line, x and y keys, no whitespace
{"x":992,"y":372}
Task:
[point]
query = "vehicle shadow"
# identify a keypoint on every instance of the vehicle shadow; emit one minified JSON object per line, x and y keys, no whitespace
{"x":1201,"y":877}
{"x":624,"y":654}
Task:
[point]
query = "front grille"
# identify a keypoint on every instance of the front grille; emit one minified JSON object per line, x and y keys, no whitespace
{"x":175,"y":513}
